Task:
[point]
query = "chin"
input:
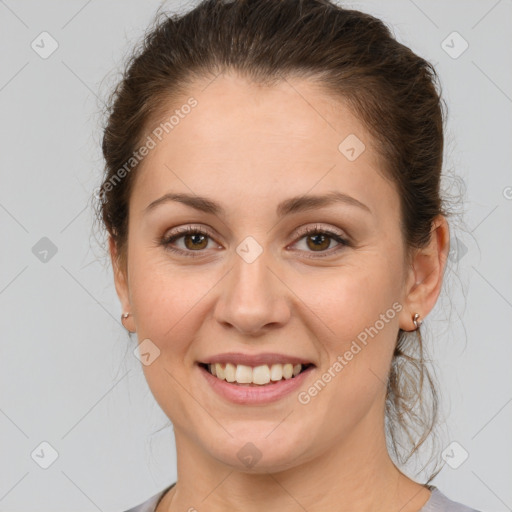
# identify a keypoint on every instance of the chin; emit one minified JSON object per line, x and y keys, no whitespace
{"x":258,"y":453}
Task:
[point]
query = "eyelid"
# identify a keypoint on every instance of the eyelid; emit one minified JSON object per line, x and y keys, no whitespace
{"x":190,"y":228}
{"x":308,"y":228}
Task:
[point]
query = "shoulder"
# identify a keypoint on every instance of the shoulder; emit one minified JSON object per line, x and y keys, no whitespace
{"x":150,"y":504}
{"x":439,"y":502}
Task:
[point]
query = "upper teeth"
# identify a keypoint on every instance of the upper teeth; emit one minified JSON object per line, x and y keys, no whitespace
{"x":263,"y":374}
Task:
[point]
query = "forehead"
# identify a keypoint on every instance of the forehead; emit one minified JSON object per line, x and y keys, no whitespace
{"x":233,"y":113}
{"x":245,"y":138}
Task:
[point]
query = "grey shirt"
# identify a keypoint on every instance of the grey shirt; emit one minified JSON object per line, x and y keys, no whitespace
{"x":437,"y":502}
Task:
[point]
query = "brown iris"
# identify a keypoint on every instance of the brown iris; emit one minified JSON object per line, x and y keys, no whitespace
{"x":197,"y":238}
{"x":321,"y":241}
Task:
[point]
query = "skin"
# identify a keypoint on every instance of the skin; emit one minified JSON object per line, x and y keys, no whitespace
{"x":248,"y":148}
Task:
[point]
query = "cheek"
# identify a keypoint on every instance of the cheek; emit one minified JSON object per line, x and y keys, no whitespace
{"x":353,"y":297}
{"x":358,"y":307}
{"x":359,"y":315}
{"x":168,"y":306}
{"x":172,"y":304}
{"x":162,"y":295}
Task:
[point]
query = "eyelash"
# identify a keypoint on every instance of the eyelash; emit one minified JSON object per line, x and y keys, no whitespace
{"x":189,"y":230}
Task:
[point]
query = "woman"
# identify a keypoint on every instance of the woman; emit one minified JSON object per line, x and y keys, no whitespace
{"x":277,"y":237}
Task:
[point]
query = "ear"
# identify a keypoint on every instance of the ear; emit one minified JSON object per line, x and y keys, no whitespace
{"x":425,"y":278}
{"x":121,"y":283}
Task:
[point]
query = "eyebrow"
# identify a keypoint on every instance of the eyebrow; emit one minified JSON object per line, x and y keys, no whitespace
{"x":286,"y":207}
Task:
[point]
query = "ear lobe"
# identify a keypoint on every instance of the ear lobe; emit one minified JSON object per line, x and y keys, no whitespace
{"x":426,"y":273}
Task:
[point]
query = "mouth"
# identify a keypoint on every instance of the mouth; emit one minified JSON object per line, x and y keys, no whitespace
{"x":255,"y":376}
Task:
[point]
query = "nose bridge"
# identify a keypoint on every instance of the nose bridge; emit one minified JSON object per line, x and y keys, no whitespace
{"x":252,"y":297}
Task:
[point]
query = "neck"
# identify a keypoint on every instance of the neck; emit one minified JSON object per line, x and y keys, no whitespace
{"x":354,"y":474}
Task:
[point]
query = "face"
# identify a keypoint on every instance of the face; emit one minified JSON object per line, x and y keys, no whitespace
{"x":304,"y":279}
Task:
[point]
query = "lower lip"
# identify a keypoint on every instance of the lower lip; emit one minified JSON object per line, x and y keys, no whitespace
{"x":251,"y":395}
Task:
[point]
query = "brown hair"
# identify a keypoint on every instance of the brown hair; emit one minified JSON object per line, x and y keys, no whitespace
{"x":353,"y":56}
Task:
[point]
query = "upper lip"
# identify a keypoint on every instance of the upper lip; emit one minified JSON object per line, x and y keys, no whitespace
{"x":255,"y":359}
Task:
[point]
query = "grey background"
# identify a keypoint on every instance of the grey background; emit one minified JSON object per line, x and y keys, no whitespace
{"x":68,"y":376}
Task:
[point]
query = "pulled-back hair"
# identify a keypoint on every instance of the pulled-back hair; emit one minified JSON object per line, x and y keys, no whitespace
{"x":354,"y":56}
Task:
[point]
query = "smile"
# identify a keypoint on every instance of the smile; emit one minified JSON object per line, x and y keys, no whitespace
{"x":260,"y":375}
{"x":242,"y":384}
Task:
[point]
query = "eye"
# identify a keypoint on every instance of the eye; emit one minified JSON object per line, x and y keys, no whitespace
{"x":318,"y":240}
{"x":195,"y":239}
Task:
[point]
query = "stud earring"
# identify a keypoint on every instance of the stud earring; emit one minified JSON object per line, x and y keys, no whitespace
{"x":124,"y":316}
{"x":416,"y":320}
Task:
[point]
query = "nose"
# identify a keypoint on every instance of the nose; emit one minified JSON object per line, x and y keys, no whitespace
{"x":253,"y":298}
